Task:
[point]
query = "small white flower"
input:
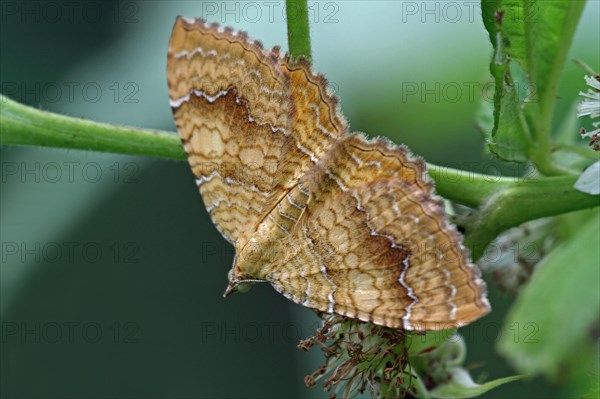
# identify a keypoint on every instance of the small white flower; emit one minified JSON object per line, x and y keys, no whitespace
{"x":591,"y":106}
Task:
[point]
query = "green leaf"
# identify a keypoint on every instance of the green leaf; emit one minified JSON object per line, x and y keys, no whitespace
{"x":462,"y":386}
{"x":510,"y":137}
{"x":531,"y":39}
{"x":581,"y":378}
{"x":555,"y":310}
{"x":589,"y":181}
{"x":503,"y":20}
{"x":440,"y":365}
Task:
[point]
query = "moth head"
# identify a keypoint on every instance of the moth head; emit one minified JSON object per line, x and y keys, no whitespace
{"x":237,"y":284}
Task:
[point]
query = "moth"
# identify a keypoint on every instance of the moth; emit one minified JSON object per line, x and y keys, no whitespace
{"x":332,"y":220}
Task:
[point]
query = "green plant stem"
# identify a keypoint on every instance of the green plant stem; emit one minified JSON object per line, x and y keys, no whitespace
{"x":503,"y":202}
{"x":522,"y":201}
{"x":23,"y":125}
{"x":298,"y":28}
{"x":467,"y":188}
{"x":542,"y":120}
{"x":542,"y":157}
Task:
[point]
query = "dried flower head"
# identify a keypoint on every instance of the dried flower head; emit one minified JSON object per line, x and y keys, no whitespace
{"x":391,"y":363}
{"x":360,"y":357}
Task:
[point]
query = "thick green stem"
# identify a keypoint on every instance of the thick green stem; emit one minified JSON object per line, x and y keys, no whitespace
{"x":467,"y":188}
{"x":503,"y":202}
{"x":522,"y":201}
{"x":22,"y":125}
{"x":298,"y":28}
{"x":541,"y":156}
{"x":542,"y":120}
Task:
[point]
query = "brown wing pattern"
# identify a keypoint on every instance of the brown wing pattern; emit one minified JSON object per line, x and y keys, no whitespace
{"x":231,"y":106}
{"x":352,"y":225}
{"x":241,"y":113}
{"x":315,"y":122}
{"x":374,"y":244}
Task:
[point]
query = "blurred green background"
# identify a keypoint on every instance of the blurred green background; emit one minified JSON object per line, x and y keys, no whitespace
{"x":112,"y":273}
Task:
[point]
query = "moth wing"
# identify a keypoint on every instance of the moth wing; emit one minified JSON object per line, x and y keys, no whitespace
{"x":374,"y":243}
